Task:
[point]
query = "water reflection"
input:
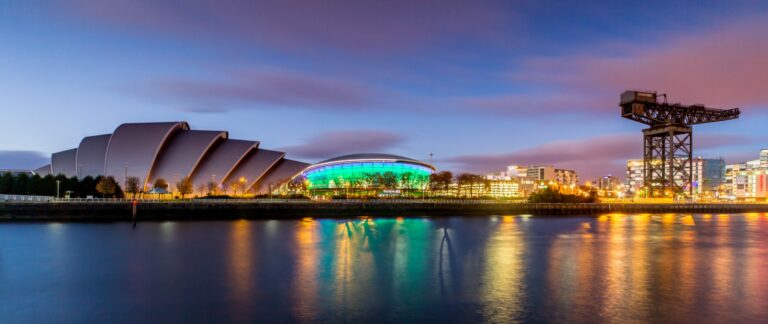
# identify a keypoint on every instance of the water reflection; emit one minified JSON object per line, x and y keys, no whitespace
{"x":502,"y":288}
{"x":610,"y":268}
{"x":306,"y":279}
{"x":241,"y":268}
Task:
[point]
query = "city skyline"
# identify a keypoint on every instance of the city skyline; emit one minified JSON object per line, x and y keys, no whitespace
{"x":480,"y":86}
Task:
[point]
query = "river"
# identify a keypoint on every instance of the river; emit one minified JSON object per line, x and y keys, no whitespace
{"x":609,"y":268}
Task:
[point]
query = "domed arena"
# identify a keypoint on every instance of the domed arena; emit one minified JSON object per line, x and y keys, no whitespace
{"x":370,"y":174}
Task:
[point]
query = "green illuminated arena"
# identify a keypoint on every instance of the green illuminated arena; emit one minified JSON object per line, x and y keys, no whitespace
{"x":368,"y":172}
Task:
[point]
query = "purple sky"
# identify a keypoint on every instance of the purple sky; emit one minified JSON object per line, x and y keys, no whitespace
{"x":481,"y":84}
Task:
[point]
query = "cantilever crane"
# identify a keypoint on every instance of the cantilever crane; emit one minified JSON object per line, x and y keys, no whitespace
{"x":668,"y":142}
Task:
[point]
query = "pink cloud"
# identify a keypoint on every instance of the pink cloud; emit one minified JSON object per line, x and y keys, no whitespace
{"x":722,"y":67}
{"x":330,"y":144}
{"x":590,"y":157}
{"x":368,"y":26}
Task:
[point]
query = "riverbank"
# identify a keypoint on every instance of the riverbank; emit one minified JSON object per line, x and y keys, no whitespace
{"x":255,"y":209}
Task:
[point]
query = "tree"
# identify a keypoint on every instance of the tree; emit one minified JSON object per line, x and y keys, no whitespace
{"x":237,"y":185}
{"x":389,"y":180}
{"x":464,"y":179}
{"x":132,"y":185}
{"x":184,"y":186}
{"x":160,"y":183}
{"x":107,"y":186}
{"x":87,"y":186}
{"x":21,"y":185}
{"x":299,"y":185}
{"x":549,"y":195}
{"x":405,"y":180}
{"x":6,"y":183}
{"x":440,"y":180}
{"x":372,"y":180}
{"x":211,"y":188}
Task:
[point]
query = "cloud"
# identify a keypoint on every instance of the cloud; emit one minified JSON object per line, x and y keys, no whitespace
{"x":350,"y":25}
{"x":590,"y":157}
{"x":25,"y":160}
{"x":527,"y":105}
{"x":330,"y":144}
{"x":264,"y":88}
{"x":724,"y":66}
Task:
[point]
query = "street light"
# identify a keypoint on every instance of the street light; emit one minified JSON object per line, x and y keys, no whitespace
{"x":57,"y":188}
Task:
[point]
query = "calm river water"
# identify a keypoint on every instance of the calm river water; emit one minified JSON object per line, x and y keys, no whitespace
{"x":611,"y":268}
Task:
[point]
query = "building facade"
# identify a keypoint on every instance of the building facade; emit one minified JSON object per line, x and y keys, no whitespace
{"x":608,"y":183}
{"x":367,"y":174}
{"x":708,"y":175}
{"x":566,"y":177}
{"x":747,"y":181}
{"x":528,"y":179}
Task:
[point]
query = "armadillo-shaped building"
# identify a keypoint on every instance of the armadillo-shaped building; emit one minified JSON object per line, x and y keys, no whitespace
{"x":172,"y":151}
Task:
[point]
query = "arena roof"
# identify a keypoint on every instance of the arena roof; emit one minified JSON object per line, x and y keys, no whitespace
{"x":373,"y":157}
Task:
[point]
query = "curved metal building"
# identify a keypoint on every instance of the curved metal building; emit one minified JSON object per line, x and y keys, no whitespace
{"x":90,"y":155}
{"x":171,"y":151}
{"x":64,"y":162}
{"x":184,"y":153}
{"x":133,"y":149}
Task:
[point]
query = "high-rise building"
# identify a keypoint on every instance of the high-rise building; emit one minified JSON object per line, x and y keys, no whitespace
{"x":608,"y":183}
{"x":566,"y":177}
{"x":541,"y":173}
{"x":527,"y":179}
{"x":634,"y":180}
{"x":707,"y":174}
{"x":747,"y":180}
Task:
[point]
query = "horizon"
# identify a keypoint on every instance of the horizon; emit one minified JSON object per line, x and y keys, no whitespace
{"x":481,"y":85}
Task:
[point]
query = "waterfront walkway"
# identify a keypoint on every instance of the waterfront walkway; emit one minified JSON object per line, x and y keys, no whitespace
{"x":120,"y":209}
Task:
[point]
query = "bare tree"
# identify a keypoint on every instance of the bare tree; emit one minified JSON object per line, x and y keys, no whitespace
{"x":211,"y":188}
{"x":184,"y":186}
{"x":133,"y":185}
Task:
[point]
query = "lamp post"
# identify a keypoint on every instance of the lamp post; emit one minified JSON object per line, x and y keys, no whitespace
{"x":58,"y":182}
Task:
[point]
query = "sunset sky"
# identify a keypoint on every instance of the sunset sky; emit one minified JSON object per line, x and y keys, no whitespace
{"x":481,"y":84}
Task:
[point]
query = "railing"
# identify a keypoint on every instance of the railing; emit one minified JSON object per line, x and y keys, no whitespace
{"x":29,"y":198}
{"x":280,"y":200}
{"x":617,"y":202}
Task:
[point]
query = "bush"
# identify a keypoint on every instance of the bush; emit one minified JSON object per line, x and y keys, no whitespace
{"x":215,"y":197}
{"x":552,"y":196}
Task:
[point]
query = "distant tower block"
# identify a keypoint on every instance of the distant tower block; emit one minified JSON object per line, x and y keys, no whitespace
{"x":668,"y":142}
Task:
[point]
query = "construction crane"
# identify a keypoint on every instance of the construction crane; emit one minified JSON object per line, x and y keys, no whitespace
{"x":668,"y":142}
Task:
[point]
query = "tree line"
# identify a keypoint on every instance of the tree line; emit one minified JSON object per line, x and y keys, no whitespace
{"x":25,"y":184}
{"x":100,"y":186}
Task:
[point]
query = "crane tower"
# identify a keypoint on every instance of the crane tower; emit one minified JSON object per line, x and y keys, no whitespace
{"x":668,"y":142}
